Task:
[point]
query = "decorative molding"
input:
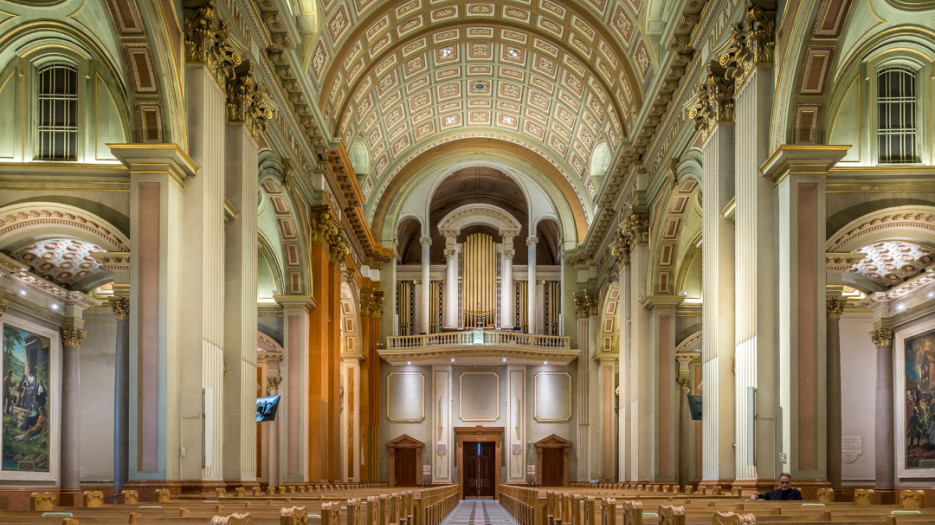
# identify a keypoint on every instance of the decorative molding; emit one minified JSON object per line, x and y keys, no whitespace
{"x":842,"y":262}
{"x":414,"y":403}
{"x":461,"y":396}
{"x":113,"y":261}
{"x":882,"y":338}
{"x":542,"y":418}
{"x":586,"y":304}
{"x":20,"y":276}
{"x":3,"y":306}
{"x":72,"y":337}
{"x":691,"y":343}
{"x":494,"y":216}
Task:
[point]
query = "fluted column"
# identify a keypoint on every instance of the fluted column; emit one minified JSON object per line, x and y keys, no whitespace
{"x":834,"y":307}
{"x":643,"y":445}
{"x":121,"y":308}
{"x":584,"y":305}
{"x":531,"y":310}
{"x":714,"y":117}
{"x":506,"y":284}
{"x":71,"y":395}
{"x":621,"y":253}
{"x":451,"y":284}
{"x":426,"y":284}
{"x":884,"y":439}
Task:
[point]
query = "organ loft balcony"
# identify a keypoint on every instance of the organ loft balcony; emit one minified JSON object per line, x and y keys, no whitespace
{"x":479,"y":347}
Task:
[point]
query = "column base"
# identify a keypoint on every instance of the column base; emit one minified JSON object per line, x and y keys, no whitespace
{"x":70,"y":498}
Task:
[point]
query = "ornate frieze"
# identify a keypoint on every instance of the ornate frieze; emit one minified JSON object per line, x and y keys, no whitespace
{"x":715,"y":100}
{"x":208,"y":41}
{"x":246,"y":102}
{"x":835,"y":307}
{"x":121,"y":307}
{"x":882,"y":337}
{"x":752,"y":42}
{"x":327,"y":231}
{"x":72,"y":337}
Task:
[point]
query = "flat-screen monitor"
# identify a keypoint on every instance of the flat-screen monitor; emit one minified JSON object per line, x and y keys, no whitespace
{"x":266,"y":408}
{"x":694,"y":406}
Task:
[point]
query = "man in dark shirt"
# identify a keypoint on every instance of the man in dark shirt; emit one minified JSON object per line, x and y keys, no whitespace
{"x":785,"y":490}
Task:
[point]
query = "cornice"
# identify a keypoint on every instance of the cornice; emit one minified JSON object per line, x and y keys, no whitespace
{"x":18,"y":276}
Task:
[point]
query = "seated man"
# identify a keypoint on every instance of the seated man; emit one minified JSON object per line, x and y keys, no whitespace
{"x":785,"y":490}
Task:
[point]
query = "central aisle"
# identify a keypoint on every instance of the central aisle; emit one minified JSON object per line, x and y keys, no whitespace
{"x":479,"y":512}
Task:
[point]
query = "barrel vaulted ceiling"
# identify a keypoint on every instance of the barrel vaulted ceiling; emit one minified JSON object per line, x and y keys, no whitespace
{"x":556,"y":78}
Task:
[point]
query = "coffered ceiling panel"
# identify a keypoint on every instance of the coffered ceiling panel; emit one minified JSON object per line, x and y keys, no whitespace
{"x":555,"y":77}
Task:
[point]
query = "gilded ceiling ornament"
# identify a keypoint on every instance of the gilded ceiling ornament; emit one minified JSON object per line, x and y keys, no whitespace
{"x":246,"y":103}
{"x":121,"y":307}
{"x":715,"y":100}
{"x":72,"y":337}
{"x":882,"y":337}
{"x":209,"y":42}
{"x":835,"y":307}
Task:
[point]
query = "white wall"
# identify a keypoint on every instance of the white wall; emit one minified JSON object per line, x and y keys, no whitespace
{"x":858,"y":386}
{"x":97,"y":397}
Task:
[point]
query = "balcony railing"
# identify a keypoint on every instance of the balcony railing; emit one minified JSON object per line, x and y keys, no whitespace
{"x":477,"y":337}
{"x":479,"y":343}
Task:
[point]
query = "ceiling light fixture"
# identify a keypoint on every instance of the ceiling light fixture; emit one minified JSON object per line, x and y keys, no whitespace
{"x":446,"y":52}
{"x":512,"y":52}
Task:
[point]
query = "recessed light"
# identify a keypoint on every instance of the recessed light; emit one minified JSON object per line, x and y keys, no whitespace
{"x":504,"y":360}
{"x":22,"y":293}
{"x":408,"y":362}
{"x":512,"y":52}
{"x":54,"y":306}
{"x":545,"y":362}
{"x":447,"y":52}
{"x":452,"y":360}
{"x":900,"y":307}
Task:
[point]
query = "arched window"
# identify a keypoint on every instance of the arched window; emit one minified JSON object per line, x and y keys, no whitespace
{"x":58,"y":112}
{"x":896,"y":115}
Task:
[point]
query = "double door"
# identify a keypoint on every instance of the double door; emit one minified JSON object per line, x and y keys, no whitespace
{"x":478,"y":476}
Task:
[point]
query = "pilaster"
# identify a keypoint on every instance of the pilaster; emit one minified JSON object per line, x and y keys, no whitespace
{"x":294,"y":410}
{"x":666,"y":396}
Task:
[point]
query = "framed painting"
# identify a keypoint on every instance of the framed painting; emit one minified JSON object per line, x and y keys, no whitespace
{"x":915,"y":400}
{"x":29,"y":442}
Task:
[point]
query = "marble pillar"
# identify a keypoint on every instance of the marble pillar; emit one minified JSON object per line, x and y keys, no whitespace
{"x":834,"y":308}
{"x":531,"y":306}
{"x":885,"y":422}
{"x":506,"y":284}
{"x":451,"y":284}
{"x":72,"y":337}
{"x":121,"y":308}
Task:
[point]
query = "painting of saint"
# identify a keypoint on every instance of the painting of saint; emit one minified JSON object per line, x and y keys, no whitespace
{"x":26,"y":421}
{"x":919,"y":401}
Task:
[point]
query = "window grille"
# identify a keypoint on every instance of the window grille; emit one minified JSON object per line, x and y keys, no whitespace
{"x":58,"y":112}
{"x":896,"y":115}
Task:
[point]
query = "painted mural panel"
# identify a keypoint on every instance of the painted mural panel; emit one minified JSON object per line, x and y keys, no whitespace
{"x":26,"y":428}
{"x":919,"y":394}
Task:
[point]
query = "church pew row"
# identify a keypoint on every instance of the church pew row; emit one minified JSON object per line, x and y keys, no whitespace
{"x":565,"y":508}
{"x":424,"y":507}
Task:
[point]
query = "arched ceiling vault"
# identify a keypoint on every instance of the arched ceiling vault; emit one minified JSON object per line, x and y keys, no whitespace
{"x":403,"y":77}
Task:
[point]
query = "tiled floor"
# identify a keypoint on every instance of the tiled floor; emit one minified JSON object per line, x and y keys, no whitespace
{"x":479,"y":512}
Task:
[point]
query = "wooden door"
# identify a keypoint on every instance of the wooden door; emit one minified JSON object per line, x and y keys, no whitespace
{"x":479,"y":469}
{"x":405,"y":468}
{"x":553,"y":463}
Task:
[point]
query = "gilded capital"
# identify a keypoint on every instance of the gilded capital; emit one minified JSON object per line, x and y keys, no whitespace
{"x":882,"y":338}
{"x":636,"y":229}
{"x":121,"y":307}
{"x":620,"y":250}
{"x":376,"y":304}
{"x":715,"y":100}
{"x":835,"y":307}
{"x":684,"y":383}
{"x":425,"y":240}
{"x":246,"y":102}
{"x":327,"y":231}
{"x":209,"y":42}
{"x":585,"y":305}
{"x":3,"y":306}
{"x":752,"y":42}
{"x":72,"y":337}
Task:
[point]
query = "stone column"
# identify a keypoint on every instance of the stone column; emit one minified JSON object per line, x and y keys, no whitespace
{"x":531,"y":310}
{"x":665,"y":393}
{"x":621,"y":253}
{"x":451,"y":284}
{"x":506,"y":284}
{"x":158,"y":174}
{"x":713,"y":116}
{"x":271,"y":381}
{"x":834,"y":307}
{"x":72,"y":336}
{"x":685,"y":419}
{"x":371,"y":312}
{"x":584,"y":304}
{"x":884,"y":439}
{"x":426,"y":284}
{"x":643,"y":447}
{"x":121,"y":308}
{"x":293,"y":410}
{"x":244,"y":103}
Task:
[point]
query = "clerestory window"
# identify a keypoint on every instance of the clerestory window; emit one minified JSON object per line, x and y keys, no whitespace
{"x":896,"y":115}
{"x":58,"y":112}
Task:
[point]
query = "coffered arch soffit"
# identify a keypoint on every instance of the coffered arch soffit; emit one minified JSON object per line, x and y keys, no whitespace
{"x":679,"y":220}
{"x":411,"y":191}
{"x":557,"y":79}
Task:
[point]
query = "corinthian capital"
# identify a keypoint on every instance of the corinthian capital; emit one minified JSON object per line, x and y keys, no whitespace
{"x":72,"y":337}
{"x":585,"y":305}
{"x":3,"y":306}
{"x":121,"y":307}
{"x":246,"y":102}
{"x":620,"y":250}
{"x":636,"y":228}
{"x":715,"y":100}
{"x":209,"y":42}
{"x":327,"y":231}
{"x":835,"y":307}
{"x":882,"y":337}
{"x":752,"y":42}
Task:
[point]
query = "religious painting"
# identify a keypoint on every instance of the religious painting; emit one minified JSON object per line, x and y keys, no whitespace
{"x":915,"y":401}
{"x":27,"y":417}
